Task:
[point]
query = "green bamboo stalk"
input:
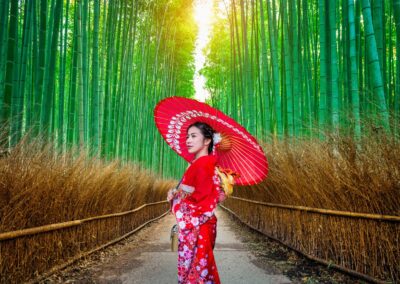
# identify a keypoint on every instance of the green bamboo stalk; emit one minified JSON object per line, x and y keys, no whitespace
{"x":275,"y":71}
{"x":4,"y":7}
{"x":378,"y":20}
{"x":63,"y":66}
{"x":49,"y":75}
{"x":18,"y":99}
{"x":374,"y":67}
{"x":122,"y":96}
{"x":249,"y":102}
{"x":240,"y":64}
{"x":265,"y":90}
{"x":323,"y":69}
{"x":10,"y":88}
{"x":95,"y":138}
{"x":354,"y":74}
{"x":40,"y":67}
{"x":389,"y":62}
{"x":308,"y":77}
{"x":334,"y":67}
{"x":107,"y":89}
{"x":396,"y":15}
{"x":80,"y":84}
{"x":85,"y":72}
{"x":33,"y":59}
{"x":297,"y":111}
{"x":288,"y":72}
{"x":72,"y":110}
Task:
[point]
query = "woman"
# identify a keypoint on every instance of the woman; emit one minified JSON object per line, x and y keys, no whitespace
{"x":193,"y":205}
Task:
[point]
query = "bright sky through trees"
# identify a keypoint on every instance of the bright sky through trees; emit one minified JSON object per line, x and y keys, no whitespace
{"x":203,"y":16}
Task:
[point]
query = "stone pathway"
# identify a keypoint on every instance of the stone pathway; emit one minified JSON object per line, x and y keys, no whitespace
{"x":148,"y":259}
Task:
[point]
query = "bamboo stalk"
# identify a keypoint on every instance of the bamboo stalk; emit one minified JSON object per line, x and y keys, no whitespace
{"x":122,"y":213}
{"x":63,"y":225}
{"x":37,"y":230}
{"x":326,"y":211}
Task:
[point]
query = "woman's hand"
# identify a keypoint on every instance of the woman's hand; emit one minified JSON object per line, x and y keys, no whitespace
{"x":171,"y":194}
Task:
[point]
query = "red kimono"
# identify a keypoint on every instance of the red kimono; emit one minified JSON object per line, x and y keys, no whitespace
{"x":197,"y":222}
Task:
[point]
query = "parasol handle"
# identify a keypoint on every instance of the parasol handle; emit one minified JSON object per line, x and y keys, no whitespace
{"x":179,"y":183}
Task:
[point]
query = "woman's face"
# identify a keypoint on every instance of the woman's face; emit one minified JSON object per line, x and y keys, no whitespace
{"x":195,"y":141}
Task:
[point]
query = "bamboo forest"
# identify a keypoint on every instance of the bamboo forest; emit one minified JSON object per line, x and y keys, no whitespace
{"x":317,"y":83}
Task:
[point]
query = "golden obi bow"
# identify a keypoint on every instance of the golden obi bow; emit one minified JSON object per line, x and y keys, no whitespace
{"x":227,"y":178}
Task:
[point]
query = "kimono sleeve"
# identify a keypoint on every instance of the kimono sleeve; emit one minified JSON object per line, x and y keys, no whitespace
{"x":203,"y":185}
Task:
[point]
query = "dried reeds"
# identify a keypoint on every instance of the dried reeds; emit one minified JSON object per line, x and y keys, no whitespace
{"x":39,"y":186}
{"x":361,"y":177}
{"x":345,"y":175}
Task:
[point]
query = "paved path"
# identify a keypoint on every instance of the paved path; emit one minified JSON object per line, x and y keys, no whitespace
{"x":153,"y":262}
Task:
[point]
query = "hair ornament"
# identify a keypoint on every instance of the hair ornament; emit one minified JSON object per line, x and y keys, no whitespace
{"x":217,"y":138}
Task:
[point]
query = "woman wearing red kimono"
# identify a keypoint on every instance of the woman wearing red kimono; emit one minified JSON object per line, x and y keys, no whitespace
{"x":193,"y":205}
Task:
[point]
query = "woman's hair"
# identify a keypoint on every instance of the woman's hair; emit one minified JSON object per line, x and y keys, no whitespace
{"x":207,"y":132}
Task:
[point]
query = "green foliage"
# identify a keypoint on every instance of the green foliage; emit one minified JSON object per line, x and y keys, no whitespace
{"x":94,"y":72}
{"x":322,"y":66}
{"x":185,"y":35}
{"x":218,"y":57}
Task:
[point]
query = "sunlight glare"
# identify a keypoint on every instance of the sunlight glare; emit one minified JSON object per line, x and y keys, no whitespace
{"x":203,"y":12}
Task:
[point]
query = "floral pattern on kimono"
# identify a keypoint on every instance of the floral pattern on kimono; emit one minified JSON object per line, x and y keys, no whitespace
{"x":197,"y":223}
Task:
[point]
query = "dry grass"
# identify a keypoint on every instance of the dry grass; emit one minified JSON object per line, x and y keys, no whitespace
{"x":370,"y":247}
{"x":321,"y":175}
{"x":38,"y":187}
{"x":340,"y":176}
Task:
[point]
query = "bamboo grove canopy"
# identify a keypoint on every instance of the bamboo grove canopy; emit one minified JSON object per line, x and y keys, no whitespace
{"x":88,"y":73}
{"x":294,"y":68}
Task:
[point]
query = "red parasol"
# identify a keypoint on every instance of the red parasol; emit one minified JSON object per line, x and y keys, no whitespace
{"x":238,"y":149}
